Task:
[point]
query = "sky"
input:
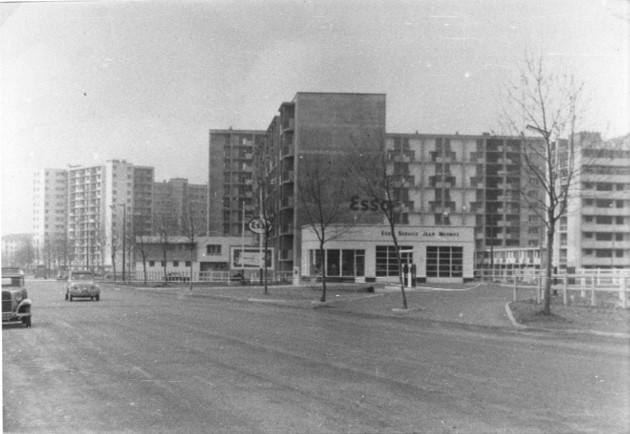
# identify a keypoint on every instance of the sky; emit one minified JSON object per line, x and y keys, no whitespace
{"x":145,"y":81}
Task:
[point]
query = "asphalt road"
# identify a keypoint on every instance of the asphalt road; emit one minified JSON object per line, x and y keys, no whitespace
{"x":140,"y":361}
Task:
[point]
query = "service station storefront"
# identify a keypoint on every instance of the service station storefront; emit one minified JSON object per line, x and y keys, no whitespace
{"x":367,"y":253}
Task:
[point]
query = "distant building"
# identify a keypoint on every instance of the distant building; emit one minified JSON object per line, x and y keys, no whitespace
{"x":17,"y":250}
{"x":143,"y":180}
{"x":595,"y":233}
{"x":178,"y":204}
{"x":50,"y":203}
{"x":230,"y":180}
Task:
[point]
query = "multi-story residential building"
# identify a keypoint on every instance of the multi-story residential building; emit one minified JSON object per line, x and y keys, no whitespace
{"x":17,"y":250}
{"x":466,"y":180}
{"x":143,"y":180}
{"x":596,"y":230}
{"x":50,"y":202}
{"x":176,"y":204}
{"x":100,"y":213}
{"x":478,"y":181}
{"x":230,"y":182}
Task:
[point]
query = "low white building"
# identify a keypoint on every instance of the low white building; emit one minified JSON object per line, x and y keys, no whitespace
{"x":367,"y":253}
{"x":210,"y":254}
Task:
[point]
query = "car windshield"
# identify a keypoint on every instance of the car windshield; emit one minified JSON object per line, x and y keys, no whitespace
{"x":82,"y":276}
{"x":17,"y":281}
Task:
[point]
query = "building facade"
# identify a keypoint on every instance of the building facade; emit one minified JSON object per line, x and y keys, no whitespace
{"x":596,"y":230}
{"x":231,"y":181}
{"x":320,"y":127}
{"x":179,"y":206}
{"x":50,"y":207}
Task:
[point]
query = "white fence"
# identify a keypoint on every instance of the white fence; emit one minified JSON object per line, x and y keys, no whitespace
{"x":579,"y":285}
{"x":211,"y":277}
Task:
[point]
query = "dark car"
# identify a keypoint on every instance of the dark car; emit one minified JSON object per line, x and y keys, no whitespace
{"x":81,"y":284}
{"x":16,"y":306}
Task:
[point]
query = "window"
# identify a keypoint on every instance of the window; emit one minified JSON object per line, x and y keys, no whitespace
{"x":188,"y":263}
{"x":151,"y":263}
{"x":213,"y":249}
{"x":444,"y":261}
{"x":386,"y":261}
{"x":163,"y":263}
{"x":175,"y":263}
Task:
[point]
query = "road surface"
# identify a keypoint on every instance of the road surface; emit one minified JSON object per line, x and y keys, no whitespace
{"x":166,"y":361}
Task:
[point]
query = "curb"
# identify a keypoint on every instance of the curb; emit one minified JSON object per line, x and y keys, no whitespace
{"x":520,"y":326}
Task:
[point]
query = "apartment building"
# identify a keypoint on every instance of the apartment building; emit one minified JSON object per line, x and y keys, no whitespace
{"x":312,"y":125}
{"x":177,"y":203}
{"x":142,"y":220}
{"x":50,"y":202}
{"x":466,"y":180}
{"x":230,"y":183}
{"x":17,"y":250}
{"x":596,"y":230}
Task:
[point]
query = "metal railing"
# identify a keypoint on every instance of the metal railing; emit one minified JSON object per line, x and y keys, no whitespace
{"x":594,"y":287}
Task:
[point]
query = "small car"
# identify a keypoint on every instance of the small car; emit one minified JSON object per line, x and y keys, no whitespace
{"x":62,"y":275}
{"x":81,"y":284}
{"x":16,"y":306}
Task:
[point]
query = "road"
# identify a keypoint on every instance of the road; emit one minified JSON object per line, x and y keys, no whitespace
{"x":165,"y":361}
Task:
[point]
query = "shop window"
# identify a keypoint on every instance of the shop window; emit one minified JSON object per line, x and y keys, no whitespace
{"x":444,"y":261}
{"x":386,"y":261}
{"x":332,"y":262}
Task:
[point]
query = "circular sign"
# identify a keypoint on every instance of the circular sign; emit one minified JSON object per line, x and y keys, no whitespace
{"x":259,"y":225}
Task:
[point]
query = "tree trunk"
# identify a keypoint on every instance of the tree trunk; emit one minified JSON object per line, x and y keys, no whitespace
{"x":548,"y":270}
{"x":392,"y":228}
{"x":144,"y":268}
{"x":321,"y":253}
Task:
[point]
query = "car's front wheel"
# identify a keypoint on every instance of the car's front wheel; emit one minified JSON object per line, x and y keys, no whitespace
{"x":98,"y":298}
{"x":27,"y":319}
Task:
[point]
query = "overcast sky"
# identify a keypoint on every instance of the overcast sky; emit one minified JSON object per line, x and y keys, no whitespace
{"x":82,"y":83}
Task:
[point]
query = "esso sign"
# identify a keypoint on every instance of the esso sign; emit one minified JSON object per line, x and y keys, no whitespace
{"x":356,"y":204}
{"x":259,"y":226}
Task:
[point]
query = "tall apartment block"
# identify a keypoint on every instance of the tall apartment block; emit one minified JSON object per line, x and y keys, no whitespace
{"x":50,"y":202}
{"x":176,"y":202}
{"x":465,"y":180}
{"x":100,"y":212}
{"x":143,"y":180}
{"x":311,"y":123}
{"x":230,"y":182}
{"x":596,"y":230}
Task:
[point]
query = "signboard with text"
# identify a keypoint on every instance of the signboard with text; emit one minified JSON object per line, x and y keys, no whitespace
{"x":250,"y":258}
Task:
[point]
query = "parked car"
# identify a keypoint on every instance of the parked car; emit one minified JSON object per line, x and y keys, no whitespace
{"x":177,"y":277}
{"x":16,"y":306}
{"x":62,"y":275}
{"x":81,"y":284}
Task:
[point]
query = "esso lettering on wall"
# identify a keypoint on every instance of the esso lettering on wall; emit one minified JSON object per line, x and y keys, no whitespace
{"x":358,"y":204}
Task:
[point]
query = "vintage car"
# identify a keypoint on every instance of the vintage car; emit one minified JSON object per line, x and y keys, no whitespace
{"x":16,"y":306}
{"x":81,"y":284}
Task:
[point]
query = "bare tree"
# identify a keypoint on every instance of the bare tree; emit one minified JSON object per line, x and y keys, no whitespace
{"x":193,"y":227}
{"x":380,"y":179}
{"x":141,"y":247}
{"x":166,"y":226}
{"x":550,"y":105}
{"x":322,"y":193}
